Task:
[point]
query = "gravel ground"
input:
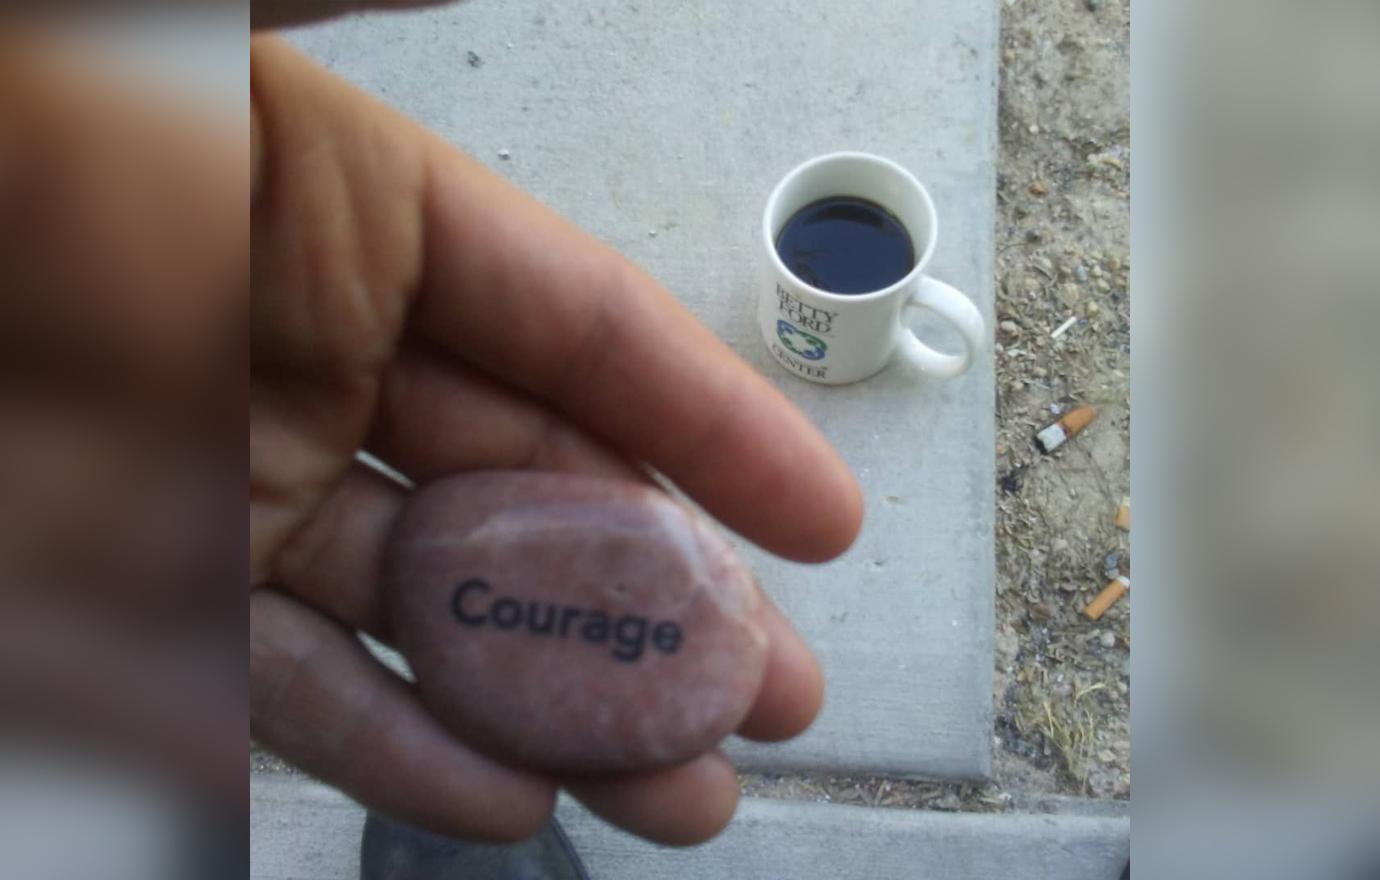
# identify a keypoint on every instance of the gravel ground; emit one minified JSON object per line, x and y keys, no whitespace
{"x":1062,"y":695}
{"x":1063,"y":250}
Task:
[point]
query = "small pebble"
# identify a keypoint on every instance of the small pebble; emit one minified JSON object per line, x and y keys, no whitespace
{"x":1039,"y":372}
{"x":1038,"y":188}
{"x":473,"y":59}
{"x":1108,"y":639}
{"x":504,"y":155}
{"x":1081,"y":273}
{"x":1111,"y":565}
{"x":1068,"y":586}
{"x":1092,"y":309}
{"x":1010,"y":328}
{"x":572,"y":624}
{"x":651,"y":233}
{"x":948,"y":801}
{"x":1095,"y":5}
{"x":1059,"y":545}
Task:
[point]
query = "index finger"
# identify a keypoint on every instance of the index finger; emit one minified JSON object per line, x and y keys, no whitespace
{"x":515,"y":289}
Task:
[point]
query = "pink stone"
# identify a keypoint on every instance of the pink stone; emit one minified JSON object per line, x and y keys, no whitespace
{"x":572,"y":624}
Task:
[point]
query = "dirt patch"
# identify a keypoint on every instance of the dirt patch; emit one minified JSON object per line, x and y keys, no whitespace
{"x":1063,"y":251}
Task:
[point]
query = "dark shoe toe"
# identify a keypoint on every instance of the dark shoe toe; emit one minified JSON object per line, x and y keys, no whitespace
{"x":392,"y":850}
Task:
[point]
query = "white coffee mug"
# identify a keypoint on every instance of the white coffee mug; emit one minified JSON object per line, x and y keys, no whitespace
{"x":838,"y":338}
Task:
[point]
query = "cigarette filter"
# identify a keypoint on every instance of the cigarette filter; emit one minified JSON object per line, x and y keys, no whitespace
{"x":1069,"y":425}
{"x":1107,"y":598}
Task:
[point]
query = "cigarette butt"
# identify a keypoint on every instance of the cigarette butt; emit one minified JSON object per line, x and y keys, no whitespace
{"x":1069,"y":424}
{"x":1107,"y":598}
{"x":1123,"y":515}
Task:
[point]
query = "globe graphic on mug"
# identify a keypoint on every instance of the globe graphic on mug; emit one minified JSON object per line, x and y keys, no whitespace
{"x":798,"y":342}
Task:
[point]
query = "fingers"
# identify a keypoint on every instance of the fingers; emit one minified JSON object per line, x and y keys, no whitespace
{"x":539,"y":304}
{"x":792,"y":686}
{"x":519,"y":294}
{"x":333,"y":563}
{"x":522,"y":295}
{"x":318,"y":699}
{"x":677,"y":806}
{"x":437,"y":416}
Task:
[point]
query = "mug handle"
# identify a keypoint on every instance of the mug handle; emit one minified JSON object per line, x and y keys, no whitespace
{"x":959,"y":311}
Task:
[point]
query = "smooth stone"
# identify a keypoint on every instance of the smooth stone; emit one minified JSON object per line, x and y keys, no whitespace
{"x":572,"y":624}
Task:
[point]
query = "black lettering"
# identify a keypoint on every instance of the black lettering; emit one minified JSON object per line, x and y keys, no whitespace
{"x":630,"y":642}
{"x":797,"y":363}
{"x":545,"y":627}
{"x":666,"y":637}
{"x":568,"y":614}
{"x":630,"y":634}
{"x":807,"y":316}
{"x":596,"y":629}
{"x":457,"y":602}
{"x":506,"y":613}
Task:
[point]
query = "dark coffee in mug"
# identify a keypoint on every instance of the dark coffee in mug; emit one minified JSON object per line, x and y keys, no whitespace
{"x":847,"y":245}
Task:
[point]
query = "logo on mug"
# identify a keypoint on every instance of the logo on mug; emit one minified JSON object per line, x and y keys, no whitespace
{"x":797,"y":341}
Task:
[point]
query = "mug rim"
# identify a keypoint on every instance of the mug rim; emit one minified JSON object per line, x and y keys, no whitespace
{"x":893,"y":167}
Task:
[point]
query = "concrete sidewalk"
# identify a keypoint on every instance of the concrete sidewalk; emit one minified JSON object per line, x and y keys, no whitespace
{"x":661,"y":128}
{"x":301,"y":830}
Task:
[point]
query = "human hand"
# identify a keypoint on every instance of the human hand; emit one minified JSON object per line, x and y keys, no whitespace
{"x":409,"y":302}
